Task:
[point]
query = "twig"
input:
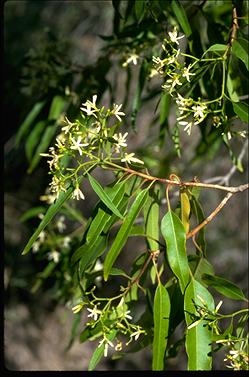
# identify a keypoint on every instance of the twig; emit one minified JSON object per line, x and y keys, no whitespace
{"x":210,"y":217}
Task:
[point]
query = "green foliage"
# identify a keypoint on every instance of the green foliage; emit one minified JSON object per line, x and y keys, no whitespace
{"x":189,"y":73}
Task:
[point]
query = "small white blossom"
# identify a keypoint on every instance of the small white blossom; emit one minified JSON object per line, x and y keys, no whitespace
{"x":128,"y":157}
{"x":66,"y":241}
{"x":119,"y":346}
{"x":107,"y":343}
{"x":90,"y":107}
{"x":172,"y":82}
{"x":94,"y":313}
{"x":173,"y":36}
{"x":61,"y":224}
{"x":186,"y":73}
{"x":68,"y":126}
{"x":127,"y":314}
{"x":115,"y":111}
{"x":121,"y":141}
{"x":42,"y":236}
{"x":187,"y":126}
{"x":131,"y":57}
{"x":199,"y":112}
{"x":36,"y":246}
{"x":136,"y":334}
{"x":54,"y":255}
{"x":77,"y":145}
{"x":78,"y":194}
{"x":56,"y":185}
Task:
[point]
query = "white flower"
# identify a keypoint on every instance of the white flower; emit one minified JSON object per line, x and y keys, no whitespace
{"x":136,"y":334}
{"x":78,"y":194}
{"x":69,"y":125}
{"x":187,"y":126}
{"x":186,"y":73}
{"x":218,"y":306}
{"x":66,"y":241}
{"x":121,"y":141}
{"x":57,"y":186}
{"x":77,"y":145}
{"x":61,"y":224}
{"x":36,"y":246}
{"x":107,"y":344}
{"x":54,"y":255}
{"x":172,"y":82}
{"x":158,"y":61}
{"x":126,"y":315}
{"x":131,"y":57}
{"x":173,"y":36}
{"x":91,"y":107}
{"x":199,"y":112}
{"x":94,"y":313}
{"x":77,"y":308}
{"x":42,"y":236}
{"x":128,"y":157}
{"x":115,"y":111}
{"x":98,"y":266}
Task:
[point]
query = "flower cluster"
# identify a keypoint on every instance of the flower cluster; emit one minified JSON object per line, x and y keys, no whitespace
{"x":174,"y":72}
{"x":84,"y":144}
{"x":119,"y":316}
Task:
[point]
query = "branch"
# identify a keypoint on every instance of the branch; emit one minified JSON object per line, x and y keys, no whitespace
{"x":211,"y":216}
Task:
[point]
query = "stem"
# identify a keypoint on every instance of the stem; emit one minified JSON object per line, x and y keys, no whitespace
{"x":211,"y":216}
{"x":180,"y":183}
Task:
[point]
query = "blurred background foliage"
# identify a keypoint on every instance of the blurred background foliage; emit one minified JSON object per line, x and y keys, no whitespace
{"x":57,"y":55}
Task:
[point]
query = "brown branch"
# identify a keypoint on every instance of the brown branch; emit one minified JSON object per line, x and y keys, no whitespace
{"x":211,"y":216}
{"x":186,"y":184}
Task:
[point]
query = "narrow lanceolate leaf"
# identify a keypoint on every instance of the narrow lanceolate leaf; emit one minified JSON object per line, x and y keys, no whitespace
{"x":217,"y":47}
{"x":223,"y":286}
{"x":161,"y":326}
{"x":185,"y":210}
{"x":240,"y":49}
{"x":242,"y":110}
{"x":28,"y":121}
{"x":103,"y":196}
{"x":123,"y":232}
{"x":51,"y":212}
{"x":56,"y":108}
{"x":174,"y":234}
{"x":88,"y":253}
{"x":42,"y":146}
{"x":198,"y":337}
{"x":181,"y":17}
{"x":151,"y":219}
{"x":34,"y":138}
{"x":99,"y":352}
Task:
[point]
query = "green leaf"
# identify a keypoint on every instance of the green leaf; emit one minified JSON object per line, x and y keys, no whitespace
{"x":231,"y":91}
{"x":200,"y":266}
{"x":151,"y":219}
{"x":161,"y":326}
{"x":123,"y":232}
{"x":88,"y":253}
{"x":32,"y":212}
{"x":225,"y":287}
{"x":42,"y":147}
{"x":24,"y":127}
{"x":34,"y":138}
{"x":217,"y":47}
{"x":103,"y":196}
{"x":242,"y":110}
{"x":118,"y":272}
{"x":51,"y":212}
{"x":181,"y":17}
{"x":99,"y":351}
{"x":240,"y":48}
{"x":56,"y":108}
{"x":139,"y":9}
{"x":199,"y":337}
{"x":174,"y":234}
{"x":99,"y":222}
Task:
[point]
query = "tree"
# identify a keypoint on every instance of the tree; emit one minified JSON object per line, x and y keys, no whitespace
{"x":190,"y":75}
